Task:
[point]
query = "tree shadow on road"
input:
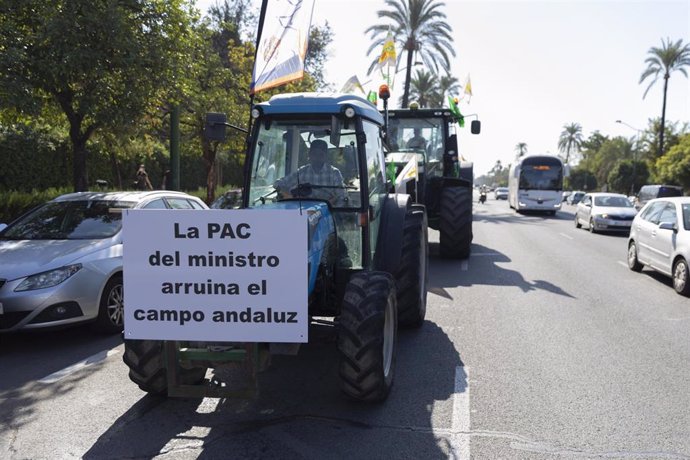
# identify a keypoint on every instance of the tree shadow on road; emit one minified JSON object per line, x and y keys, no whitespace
{"x":300,"y":412}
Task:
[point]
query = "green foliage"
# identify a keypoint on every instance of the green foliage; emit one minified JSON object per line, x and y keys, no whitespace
{"x":627,"y":176}
{"x":582,"y":179}
{"x":570,"y":140}
{"x":420,"y":28}
{"x":102,"y":63}
{"x":15,"y":203}
{"x":674,"y":167}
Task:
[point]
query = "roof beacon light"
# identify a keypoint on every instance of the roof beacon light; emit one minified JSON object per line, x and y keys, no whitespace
{"x":384,"y":92}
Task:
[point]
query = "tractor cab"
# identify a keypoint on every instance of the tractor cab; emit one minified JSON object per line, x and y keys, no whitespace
{"x":323,"y":154}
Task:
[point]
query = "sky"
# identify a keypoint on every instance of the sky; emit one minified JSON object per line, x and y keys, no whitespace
{"x":535,"y":66}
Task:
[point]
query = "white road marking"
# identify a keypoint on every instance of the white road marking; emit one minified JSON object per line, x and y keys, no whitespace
{"x":460,"y":425}
{"x":90,"y":361}
{"x":566,"y":236}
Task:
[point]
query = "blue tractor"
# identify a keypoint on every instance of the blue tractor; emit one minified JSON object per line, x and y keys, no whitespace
{"x":323,"y":155}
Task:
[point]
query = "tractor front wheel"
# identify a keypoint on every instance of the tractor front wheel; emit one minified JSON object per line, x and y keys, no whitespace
{"x":367,"y":336}
{"x":146,"y":362}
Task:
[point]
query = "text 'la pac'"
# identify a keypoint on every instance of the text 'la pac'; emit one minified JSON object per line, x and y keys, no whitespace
{"x":216,"y":230}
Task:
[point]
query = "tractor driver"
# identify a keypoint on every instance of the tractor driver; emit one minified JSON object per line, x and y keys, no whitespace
{"x":417,"y":141}
{"x":317,"y":173}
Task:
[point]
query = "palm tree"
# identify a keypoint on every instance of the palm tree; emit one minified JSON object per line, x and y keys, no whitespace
{"x":662,"y":62}
{"x":521,"y":149}
{"x":420,"y":27}
{"x":447,"y":86}
{"x":570,"y":139}
{"x":424,"y":88}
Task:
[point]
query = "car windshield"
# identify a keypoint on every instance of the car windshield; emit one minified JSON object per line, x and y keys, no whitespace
{"x":69,"y":220}
{"x":612,"y":202}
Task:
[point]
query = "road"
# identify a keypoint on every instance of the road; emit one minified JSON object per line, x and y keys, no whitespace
{"x":541,"y":345}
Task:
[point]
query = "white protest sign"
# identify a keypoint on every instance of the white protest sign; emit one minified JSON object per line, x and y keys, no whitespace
{"x":215,"y":275}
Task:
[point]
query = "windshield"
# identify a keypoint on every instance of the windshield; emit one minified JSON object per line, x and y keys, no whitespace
{"x":69,"y":220}
{"x":293,"y":159}
{"x":543,"y":174}
{"x":612,"y":202}
{"x":417,"y":135}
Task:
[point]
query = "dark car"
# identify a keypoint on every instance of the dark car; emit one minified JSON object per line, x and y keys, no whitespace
{"x":650,"y":192}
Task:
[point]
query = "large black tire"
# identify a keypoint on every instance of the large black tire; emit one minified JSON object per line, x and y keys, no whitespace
{"x":111,"y":307}
{"x":146,"y":362}
{"x":411,"y":278}
{"x":456,"y":222}
{"x":367,"y":336}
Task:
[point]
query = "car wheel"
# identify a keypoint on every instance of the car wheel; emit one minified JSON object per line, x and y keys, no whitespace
{"x":680,"y":278}
{"x":633,"y":263}
{"x":111,"y":307}
{"x":591,"y":226}
{"x":577,"y":222}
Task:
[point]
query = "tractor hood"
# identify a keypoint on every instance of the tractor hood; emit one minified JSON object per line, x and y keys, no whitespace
{"x":320,"y":229}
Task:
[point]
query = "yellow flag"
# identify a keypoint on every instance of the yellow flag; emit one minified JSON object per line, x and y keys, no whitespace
{"x":468,"y":86}
{"x":388,"y":56}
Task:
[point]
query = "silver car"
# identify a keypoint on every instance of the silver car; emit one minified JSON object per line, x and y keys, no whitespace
{"x":61,"y":263}
{"x":660,"y":239}
{"x":605,"y":212}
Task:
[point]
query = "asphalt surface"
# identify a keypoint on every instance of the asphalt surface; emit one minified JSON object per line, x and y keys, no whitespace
{"x":541,"y":345}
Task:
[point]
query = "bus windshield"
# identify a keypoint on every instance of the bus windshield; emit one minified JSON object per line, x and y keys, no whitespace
{"x":541,"y":174}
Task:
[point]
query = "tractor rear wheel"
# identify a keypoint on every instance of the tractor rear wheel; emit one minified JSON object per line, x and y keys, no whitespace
{"x":367,"y":338}
{"x":146,"y":362}
{"x":411,"y":278}
{"x":456,"y":222}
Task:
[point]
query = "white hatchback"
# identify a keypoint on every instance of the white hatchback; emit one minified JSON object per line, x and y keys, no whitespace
{"x":605,"y":212}
{"x":660,"y":239}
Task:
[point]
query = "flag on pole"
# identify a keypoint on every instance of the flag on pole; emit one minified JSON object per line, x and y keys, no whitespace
{"x":455,"y":110}
{"x":468,"y":88}
{"x":352,"y":84}
{"x":388,"y":57}
{"x":283,"y":43}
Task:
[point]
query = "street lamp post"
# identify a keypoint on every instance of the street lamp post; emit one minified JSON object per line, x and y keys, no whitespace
{"x":635,"y":146}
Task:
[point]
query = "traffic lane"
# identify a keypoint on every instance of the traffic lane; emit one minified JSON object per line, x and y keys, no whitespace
{"x":33,"y":355}
{"x":300,"y":411}
{"x":96,"y":412}
{"x":560,"y":366}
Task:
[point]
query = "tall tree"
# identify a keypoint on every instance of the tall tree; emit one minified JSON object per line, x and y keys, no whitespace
{"x":419,"y":26}
{"x":95,"y":60}
{"x":447,"y":86}
{"x":424,"y":88}
{"x":570,"y":140}
{"x":661,"y":62}
{"x":521,"y":149}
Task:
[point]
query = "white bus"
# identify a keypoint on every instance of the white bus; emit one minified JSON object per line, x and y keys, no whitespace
{"x":536,"y":184}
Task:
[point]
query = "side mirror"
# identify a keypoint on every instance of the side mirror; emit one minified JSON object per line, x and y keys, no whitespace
{"x":335,"y":131}
{"x":214,"y":128}
{"x":668,"y":226}
{"x":476,"y":127}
